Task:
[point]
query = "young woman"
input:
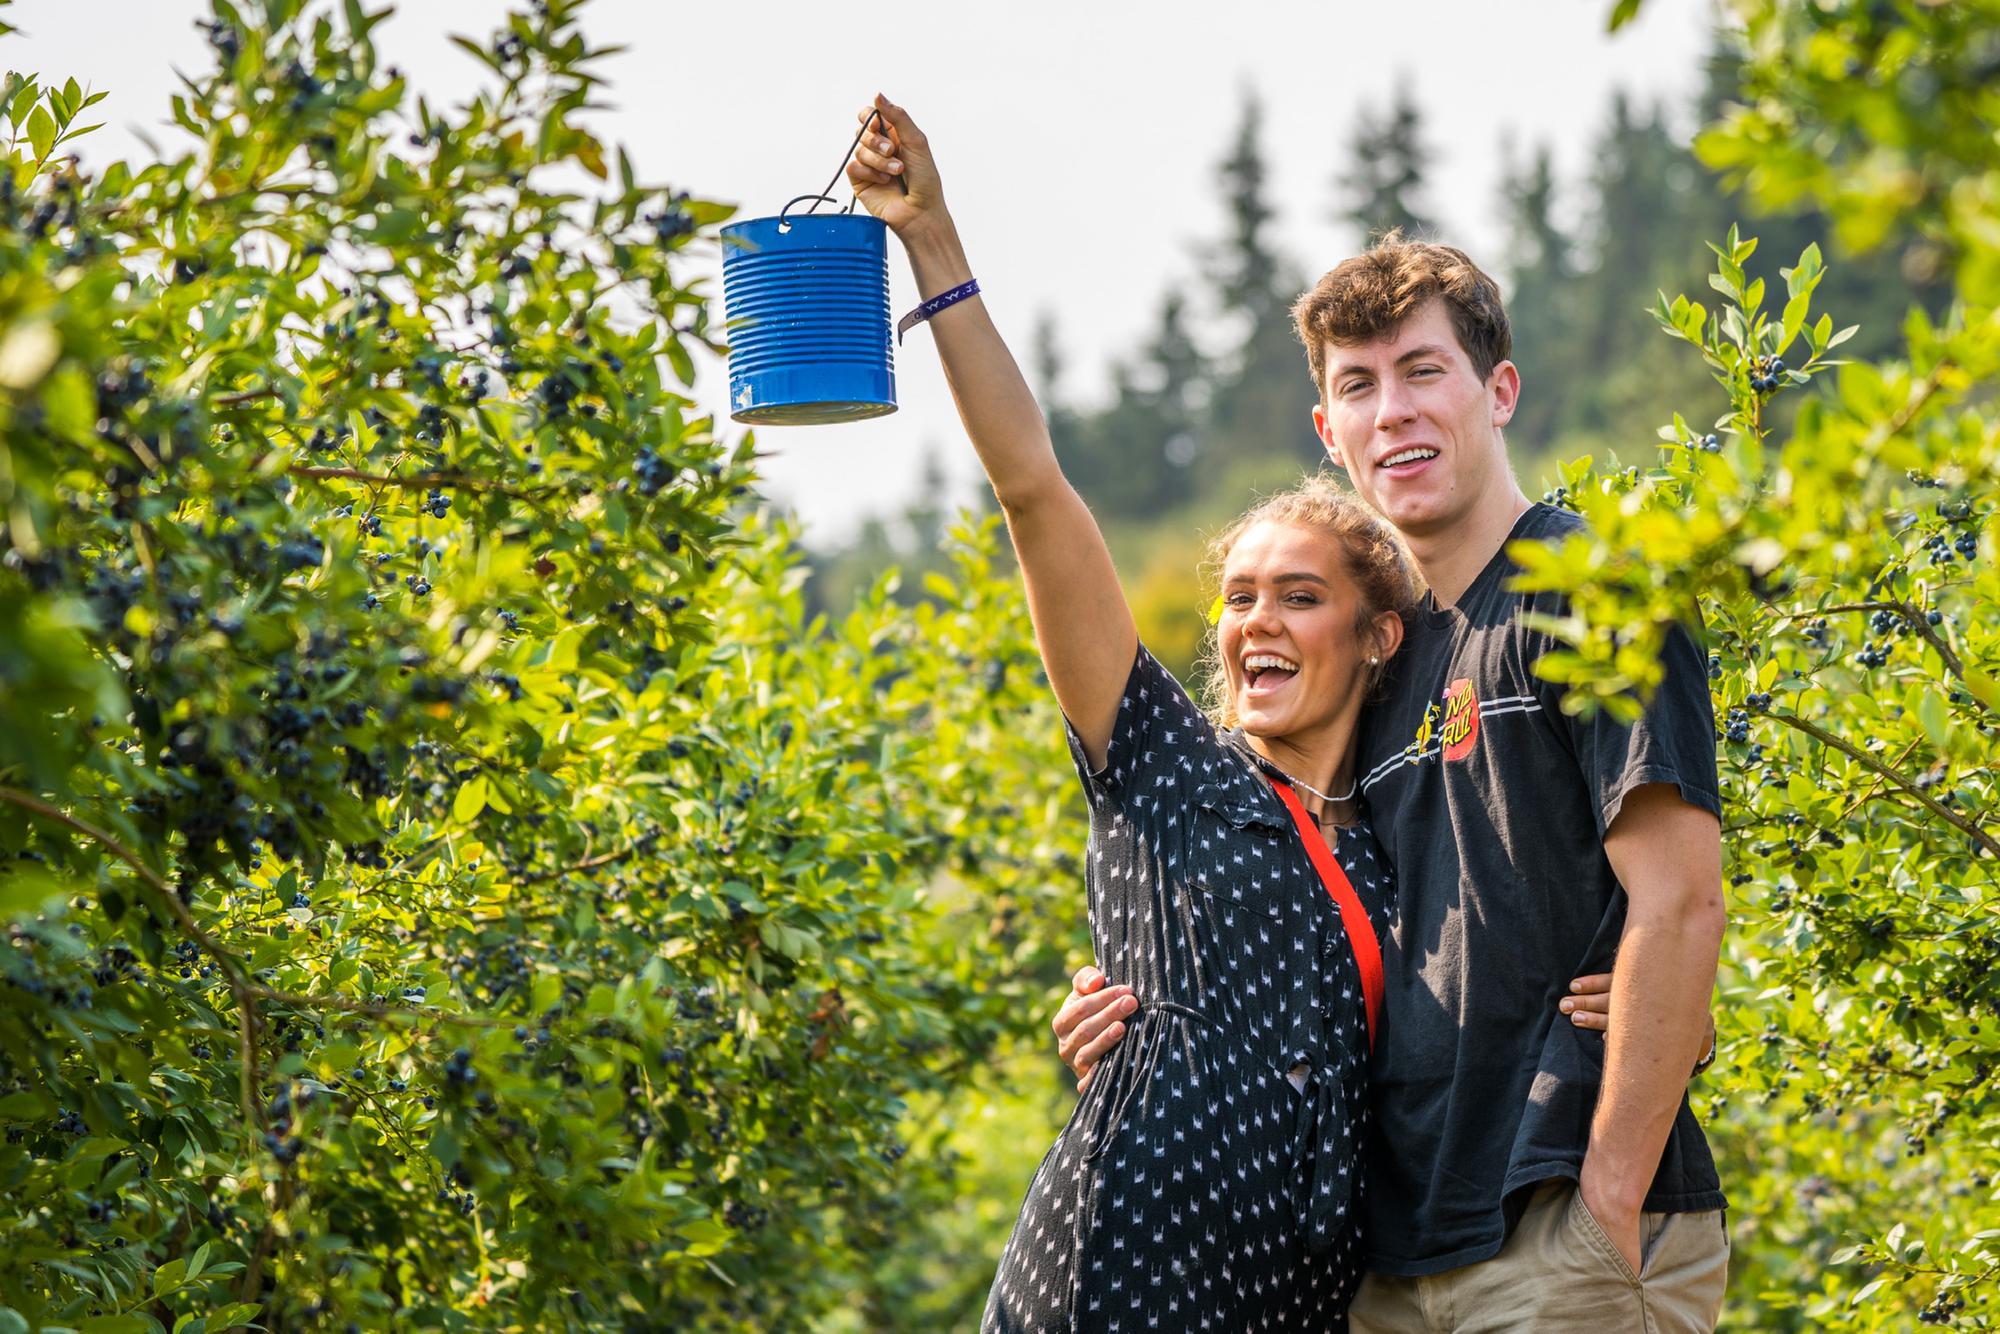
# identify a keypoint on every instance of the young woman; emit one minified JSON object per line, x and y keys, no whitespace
{"x":1207,"y":1178}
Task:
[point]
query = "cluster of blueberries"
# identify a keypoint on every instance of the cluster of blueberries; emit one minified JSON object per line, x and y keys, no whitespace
{"x":1769,"y":376}
{"x":673,"y":222}
{"x":324,"y":441}
{"x":1942,"y":549}
{"x":222,"y":35}
{"x":651,"y":472}
{"x":458,"y":1071}
{"x":280,"y":1139}
{"x":1942,"y":1309}
{"x":1886,"y":622}
{"x":1736,"y":725}
{"x":437,"y":504}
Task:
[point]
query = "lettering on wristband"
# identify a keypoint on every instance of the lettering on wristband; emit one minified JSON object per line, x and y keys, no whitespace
{"x":934,"y":305}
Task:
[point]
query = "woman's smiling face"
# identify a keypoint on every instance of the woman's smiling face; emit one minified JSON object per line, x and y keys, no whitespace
{"x":1289,"y":635}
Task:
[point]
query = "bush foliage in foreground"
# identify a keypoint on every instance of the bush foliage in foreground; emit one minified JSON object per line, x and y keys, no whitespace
{"x":447,"y":883}
{"x":1841,"y":553}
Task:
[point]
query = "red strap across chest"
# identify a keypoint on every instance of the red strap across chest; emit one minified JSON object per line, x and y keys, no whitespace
{"x":1353,"y":917}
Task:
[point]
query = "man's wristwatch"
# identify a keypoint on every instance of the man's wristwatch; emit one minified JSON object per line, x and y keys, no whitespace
{"x":1708,"y":1059}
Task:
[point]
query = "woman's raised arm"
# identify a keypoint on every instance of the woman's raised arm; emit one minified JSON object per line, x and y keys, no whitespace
{"x":1082,"y":624}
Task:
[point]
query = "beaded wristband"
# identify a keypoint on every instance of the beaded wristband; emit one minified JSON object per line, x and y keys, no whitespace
{"x":933,"y":306}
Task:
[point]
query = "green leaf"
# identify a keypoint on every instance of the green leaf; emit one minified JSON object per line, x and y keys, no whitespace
{"x":236,"y":1315}
{"x":477,"y":51}
{"x":114,"y":1324}
{"x":470,"y":801}
{"x":1935,"y":717}
{"x":1622,"y":13}
{"x":25,"y":1105}
{"x":1796,"y":310}
{"x":41,"y":132}
{"x":23,"y":102}
{"x":677,"y":357}
{"x":169,"y":1277}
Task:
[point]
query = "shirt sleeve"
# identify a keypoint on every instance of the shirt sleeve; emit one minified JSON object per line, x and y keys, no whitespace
{"x":1157,"y":729}
{"x":1673,"y":741}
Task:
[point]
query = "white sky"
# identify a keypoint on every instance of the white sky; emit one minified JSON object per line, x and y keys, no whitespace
{"x":1077,"y":140}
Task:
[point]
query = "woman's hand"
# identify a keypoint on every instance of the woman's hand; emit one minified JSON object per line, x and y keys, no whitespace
{"x":892,"y":172}
{"x":1589,"y":1006}
{"x":1091,"y":1020}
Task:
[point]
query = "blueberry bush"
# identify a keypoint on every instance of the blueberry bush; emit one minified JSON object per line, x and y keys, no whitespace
{"x":448,"y":880}
{"x":1831,"y":525}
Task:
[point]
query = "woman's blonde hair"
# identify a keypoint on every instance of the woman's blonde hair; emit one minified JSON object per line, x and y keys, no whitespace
{"x":1376,"y":560}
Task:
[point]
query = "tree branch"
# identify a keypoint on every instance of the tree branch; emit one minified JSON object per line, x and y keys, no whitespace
{"x":247,"y":396}
{"x":419,"y":481}
{"x":1914,"y":618}
{"x":589,"y":864}
{"x":1894,"y":779}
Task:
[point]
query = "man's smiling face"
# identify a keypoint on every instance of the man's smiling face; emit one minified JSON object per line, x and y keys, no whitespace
{"x":1413,"y":424}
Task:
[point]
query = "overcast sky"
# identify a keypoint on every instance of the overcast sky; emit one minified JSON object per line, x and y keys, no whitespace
{"x":754,"y":103}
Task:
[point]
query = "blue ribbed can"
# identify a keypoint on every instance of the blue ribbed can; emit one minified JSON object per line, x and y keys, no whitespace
{"x":807,"y":300}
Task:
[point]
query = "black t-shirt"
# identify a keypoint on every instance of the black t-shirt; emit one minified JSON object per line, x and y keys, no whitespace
{"x":1492,"y":804}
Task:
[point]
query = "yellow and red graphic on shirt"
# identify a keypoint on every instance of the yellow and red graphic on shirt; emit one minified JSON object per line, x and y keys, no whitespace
{"x":1461,"y":720}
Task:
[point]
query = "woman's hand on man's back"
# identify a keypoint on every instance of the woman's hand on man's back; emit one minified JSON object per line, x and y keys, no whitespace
{"x":1092,"y":1017}
{"x":1091,"y":1021}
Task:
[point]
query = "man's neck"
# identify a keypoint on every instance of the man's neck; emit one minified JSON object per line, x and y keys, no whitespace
{"x":1452,"y":557}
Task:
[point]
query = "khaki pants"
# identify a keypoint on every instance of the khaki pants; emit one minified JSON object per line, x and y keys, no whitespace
{"x":1558,"y":1273}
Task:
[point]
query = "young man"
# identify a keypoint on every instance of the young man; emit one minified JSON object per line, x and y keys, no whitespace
{"x":1529,"y":1173}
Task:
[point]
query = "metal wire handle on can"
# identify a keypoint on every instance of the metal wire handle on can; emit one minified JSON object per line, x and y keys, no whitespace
{"x":827,"y":198}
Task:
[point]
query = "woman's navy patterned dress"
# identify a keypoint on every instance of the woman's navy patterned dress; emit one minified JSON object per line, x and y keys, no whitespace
{"x":1197,"y":1186}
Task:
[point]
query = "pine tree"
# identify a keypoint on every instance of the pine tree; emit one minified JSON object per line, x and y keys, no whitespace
{"x":1258,"y":426}
{"x":1383,"y":186}
{"x":1245,"y":269}
{"x":1131,"y":459}
{"x":1540,"y":288}
{"x":1047,"y":360}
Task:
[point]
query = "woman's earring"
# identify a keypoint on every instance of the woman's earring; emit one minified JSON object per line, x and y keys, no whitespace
{"x":1374,"y":662}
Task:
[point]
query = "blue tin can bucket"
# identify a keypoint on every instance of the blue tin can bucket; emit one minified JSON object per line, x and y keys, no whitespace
{"x":807,"y":303}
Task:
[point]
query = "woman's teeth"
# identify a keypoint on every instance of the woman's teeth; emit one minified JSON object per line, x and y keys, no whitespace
{"x":1262,"y":668}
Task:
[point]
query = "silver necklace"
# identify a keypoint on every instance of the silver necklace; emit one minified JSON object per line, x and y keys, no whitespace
{"x":1299,"y":782}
